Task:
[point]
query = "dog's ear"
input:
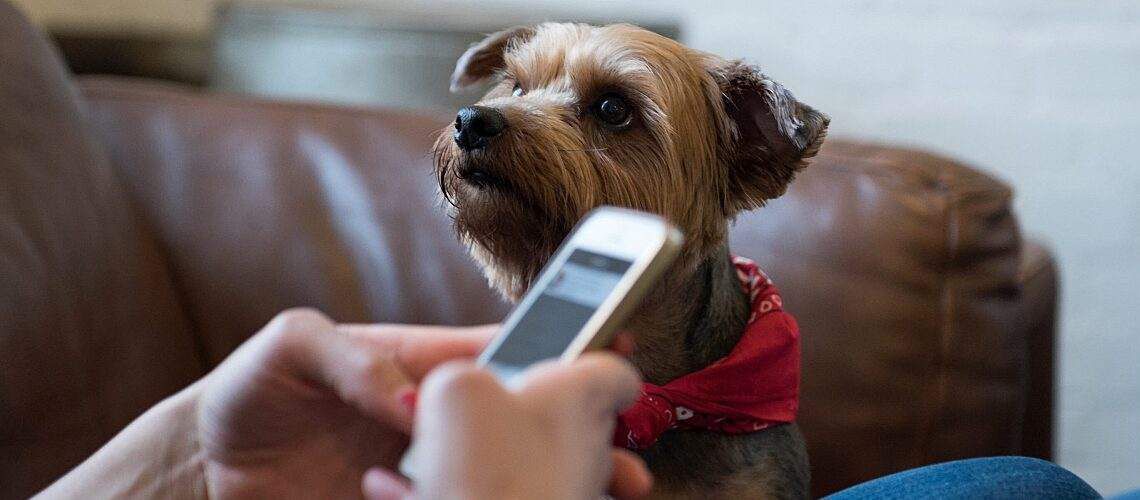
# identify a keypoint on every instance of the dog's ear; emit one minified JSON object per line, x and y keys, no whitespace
{"x":483,"y":59}
{"x":775,"y":134}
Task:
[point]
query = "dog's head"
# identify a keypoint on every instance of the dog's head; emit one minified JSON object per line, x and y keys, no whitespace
{"x":582,"y":116}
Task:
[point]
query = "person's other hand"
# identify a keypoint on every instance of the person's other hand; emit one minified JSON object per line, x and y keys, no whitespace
{"x":306,"y":406}
{"x":548,"y":437}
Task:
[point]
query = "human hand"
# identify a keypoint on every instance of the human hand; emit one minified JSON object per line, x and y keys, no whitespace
{"x":305,"y":406}
{"x":548,"y":437}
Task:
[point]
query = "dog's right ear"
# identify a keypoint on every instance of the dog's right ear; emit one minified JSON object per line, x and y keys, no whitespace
{"x":483,"y":59}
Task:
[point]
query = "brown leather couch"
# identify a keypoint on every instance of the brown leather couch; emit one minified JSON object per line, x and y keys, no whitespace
{"x":146,"y":230}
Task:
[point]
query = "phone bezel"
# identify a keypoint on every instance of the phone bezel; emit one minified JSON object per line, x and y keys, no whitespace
{"x":619,"y":233}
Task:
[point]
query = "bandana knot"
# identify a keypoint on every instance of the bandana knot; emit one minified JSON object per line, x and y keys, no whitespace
{"x":754,"y":387}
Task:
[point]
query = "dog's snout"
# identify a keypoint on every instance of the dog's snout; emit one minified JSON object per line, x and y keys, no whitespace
{"x":475,"y":126}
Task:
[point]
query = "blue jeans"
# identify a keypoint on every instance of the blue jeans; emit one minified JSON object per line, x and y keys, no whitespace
{"x":996,"y":477}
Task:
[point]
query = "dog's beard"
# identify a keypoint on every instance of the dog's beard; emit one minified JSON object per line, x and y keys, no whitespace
{"x":511,"y":221}
{"x":509,"y":243}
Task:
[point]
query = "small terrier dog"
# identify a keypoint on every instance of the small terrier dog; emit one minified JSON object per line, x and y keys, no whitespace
{"x":583,"y":116}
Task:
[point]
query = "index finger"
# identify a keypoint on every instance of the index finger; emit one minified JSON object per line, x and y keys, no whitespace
{"x":418,"y":348}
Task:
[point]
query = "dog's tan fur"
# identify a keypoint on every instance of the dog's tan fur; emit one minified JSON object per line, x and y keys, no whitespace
{"x":708,"y":138}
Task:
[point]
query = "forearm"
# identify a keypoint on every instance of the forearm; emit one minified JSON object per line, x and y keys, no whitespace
{"x":156,"y":456}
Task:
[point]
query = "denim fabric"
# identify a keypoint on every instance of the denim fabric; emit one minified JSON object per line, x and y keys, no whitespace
{"x":977,"y":478}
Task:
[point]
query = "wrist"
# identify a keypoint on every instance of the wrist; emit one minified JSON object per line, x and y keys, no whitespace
{"x":157,"y":455}
{"x":184,"y":469}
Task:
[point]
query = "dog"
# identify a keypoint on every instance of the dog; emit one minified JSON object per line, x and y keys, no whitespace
{"x":583,"y":115}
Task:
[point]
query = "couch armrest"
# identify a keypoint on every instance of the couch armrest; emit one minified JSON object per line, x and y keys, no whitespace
{"x":905,"y":272}
{"x":1037,"y":275}
{"x":91,"y":328}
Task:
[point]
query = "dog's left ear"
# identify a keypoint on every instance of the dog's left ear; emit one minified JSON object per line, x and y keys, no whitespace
{"x":775,"y":134}
{"x":483,"y":59}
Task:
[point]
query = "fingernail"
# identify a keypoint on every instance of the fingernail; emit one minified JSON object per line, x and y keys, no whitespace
{"x":408,"y":399}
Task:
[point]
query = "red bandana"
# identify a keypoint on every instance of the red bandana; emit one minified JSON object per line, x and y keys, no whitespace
{"x":755,"y":386}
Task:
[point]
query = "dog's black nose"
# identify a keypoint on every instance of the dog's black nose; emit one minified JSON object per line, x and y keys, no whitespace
{"x":476,"y":125}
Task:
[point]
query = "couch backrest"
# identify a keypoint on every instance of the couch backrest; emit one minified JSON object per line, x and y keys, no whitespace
{"x":264,"y":206}
{"x":902,"y":267}
{"x":91,"y":329}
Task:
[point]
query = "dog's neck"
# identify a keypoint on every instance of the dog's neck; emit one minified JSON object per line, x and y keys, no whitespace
{"x":695,"y":317}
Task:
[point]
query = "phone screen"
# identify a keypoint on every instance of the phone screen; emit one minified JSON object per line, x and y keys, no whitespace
{"x":560,"y":311}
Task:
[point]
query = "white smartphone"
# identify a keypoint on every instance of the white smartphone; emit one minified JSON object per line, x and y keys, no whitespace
{"x":586,"y":291}
{"x":584,"y":294}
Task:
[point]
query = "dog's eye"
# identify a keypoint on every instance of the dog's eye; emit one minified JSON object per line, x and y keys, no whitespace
{"x":518,"y":90}
{"x":613,"y":110}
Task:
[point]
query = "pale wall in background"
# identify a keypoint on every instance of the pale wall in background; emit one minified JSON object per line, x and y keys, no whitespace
{"x":1044,"y":94}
